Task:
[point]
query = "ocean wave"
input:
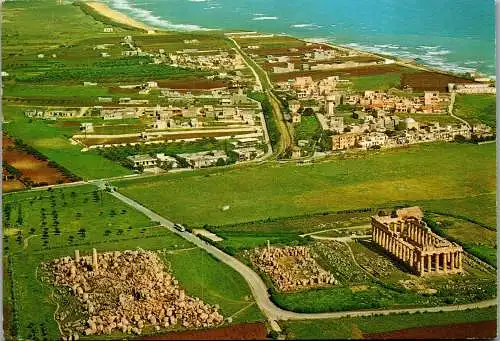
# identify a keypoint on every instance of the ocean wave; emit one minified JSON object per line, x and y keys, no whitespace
{"x":431,"y":57}
{"x":148,"y":17}
{"x":428,"y":47}
{"x":305,"y":26}
{"x":439,"y":53}
{"x":388,"y":46}
{"x":265,"y":18}
{"x":473,"y":62}
{"x":198,"y":0}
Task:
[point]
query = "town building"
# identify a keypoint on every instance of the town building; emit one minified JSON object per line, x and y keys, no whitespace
{"x":165,"y":160}
{"x":203,"y":159}
{"x":247,"y":153}
{"x":142,"y":161}
{"x":407,"y":237}
{"x":343,"y":141}
{"x":472,"y":88}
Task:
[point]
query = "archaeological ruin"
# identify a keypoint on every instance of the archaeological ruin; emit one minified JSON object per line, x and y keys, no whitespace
{"x":125,"y":291}
{"x":291,"y":268}
{"x":406,"y":236}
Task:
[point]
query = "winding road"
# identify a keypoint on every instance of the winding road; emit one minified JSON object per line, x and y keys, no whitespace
{"x":260,"y":290}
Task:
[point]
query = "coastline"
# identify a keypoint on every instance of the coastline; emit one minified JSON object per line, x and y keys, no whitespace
{"x":118,"y":17}
{"x":123,"y":18}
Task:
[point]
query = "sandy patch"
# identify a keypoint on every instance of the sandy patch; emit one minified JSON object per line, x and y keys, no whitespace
{"x":118,"y":16}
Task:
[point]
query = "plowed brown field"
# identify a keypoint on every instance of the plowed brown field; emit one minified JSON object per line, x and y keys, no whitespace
{"x":480,"y":330}
{"x":429,"y":81}
{"x":37,"y":170}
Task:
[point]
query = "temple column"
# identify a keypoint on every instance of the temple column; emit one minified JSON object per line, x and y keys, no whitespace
{"x":445,"y":262}
{"x":452,"y":261}
{"x":421,"y":265}
{"x":460,"y":260}
{"x":410,"y":256}
{"x":438,"y":262}
{"x":429,"y":268}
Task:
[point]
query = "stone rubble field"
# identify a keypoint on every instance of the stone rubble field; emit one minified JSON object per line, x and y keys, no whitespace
{"x":127,"y":292}
{"x":291,"y":268}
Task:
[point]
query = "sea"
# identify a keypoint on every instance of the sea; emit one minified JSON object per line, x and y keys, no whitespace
{"x":453,"y":35}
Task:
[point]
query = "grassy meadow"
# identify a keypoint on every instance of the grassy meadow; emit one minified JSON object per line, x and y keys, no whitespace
{"x":476,"y":109}
{"x":437,"y":173}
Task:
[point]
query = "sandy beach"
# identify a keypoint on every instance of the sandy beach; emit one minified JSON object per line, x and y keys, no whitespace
{"x":118,"y":17}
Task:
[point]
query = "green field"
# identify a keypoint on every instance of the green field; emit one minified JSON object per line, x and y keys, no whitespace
{"x":347,"y":328}
{"x":43,"y":225}
{"x":52,"y":140}
{"x":476,"y":108}
{"x":308,"y":128}
{"x":434,"y":172}
{"x":375,"y":82}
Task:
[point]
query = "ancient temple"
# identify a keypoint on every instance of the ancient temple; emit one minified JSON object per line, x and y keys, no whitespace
{"x":407,"y":236}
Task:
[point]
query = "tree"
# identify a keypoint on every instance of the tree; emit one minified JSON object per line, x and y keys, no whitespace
{"x":308,"y":112}
{"x":19,"y":220}
{"x":220,"y":162}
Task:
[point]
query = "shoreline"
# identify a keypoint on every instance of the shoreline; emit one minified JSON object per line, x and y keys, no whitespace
{"x":121,"y":17}
{"x":118,"y":17}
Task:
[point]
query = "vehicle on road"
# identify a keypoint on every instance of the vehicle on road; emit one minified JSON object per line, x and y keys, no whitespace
{"x":180,"y":227}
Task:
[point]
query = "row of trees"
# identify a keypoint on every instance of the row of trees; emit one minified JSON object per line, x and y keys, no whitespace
{"x":267,"y":109}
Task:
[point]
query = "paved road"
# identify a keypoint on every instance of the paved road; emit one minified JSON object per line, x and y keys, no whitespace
{"x":259,"y":289}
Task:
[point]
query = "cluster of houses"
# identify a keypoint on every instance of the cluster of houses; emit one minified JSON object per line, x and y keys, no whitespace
{"x":485,"y":87}
{"x":306,"y":88}
{"x":244,"y":149}
{"x":317,"y":58}
{"x":375,"y":123}
{"x":380,"y":130}
{"x":192,"y":58}
{"x":324,"y":92}
{"x":213,"y":60}
{"x":231,"y":108}
{"x":431,"y":102}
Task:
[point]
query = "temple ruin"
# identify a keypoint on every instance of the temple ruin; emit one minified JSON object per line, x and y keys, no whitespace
{"x":408,"y":238}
